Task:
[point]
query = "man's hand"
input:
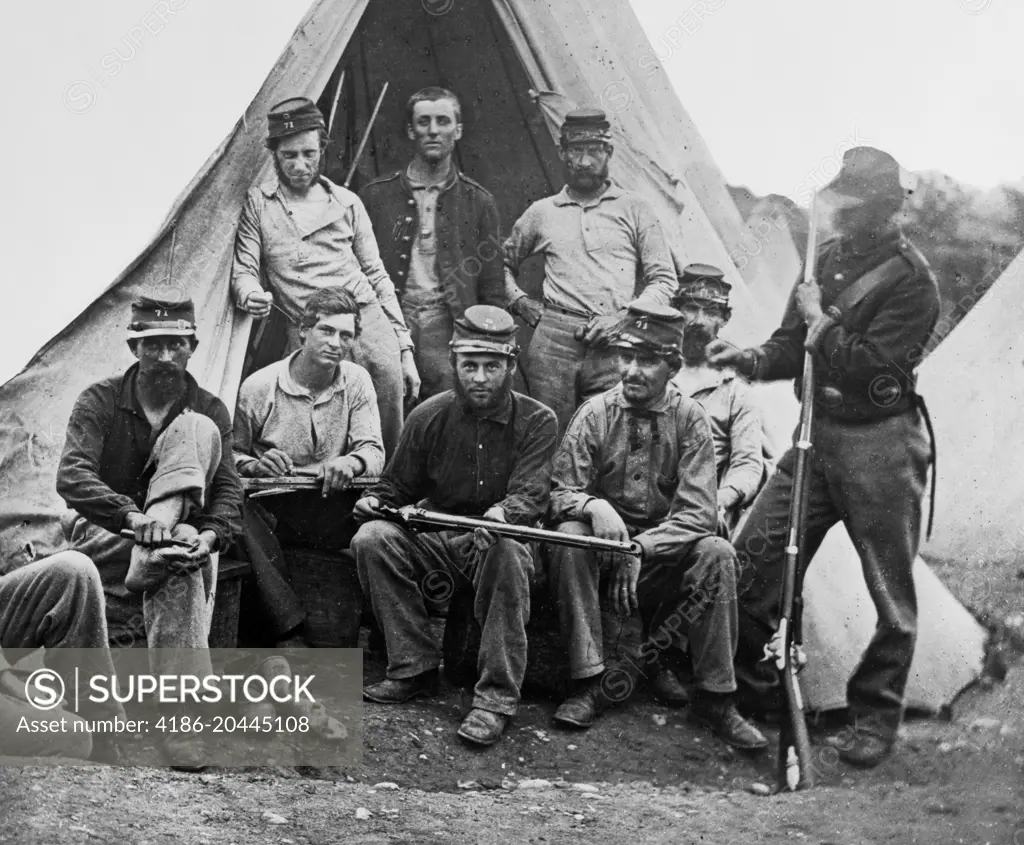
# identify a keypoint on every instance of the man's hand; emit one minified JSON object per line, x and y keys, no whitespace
{"x":721,"y":353}
{"x":599,"y":330}
{"x":258,"y":303}
{"x":410,"y":377}
{"x":528,"y":310}
{"x":149,"y":531}
{"x":622,"y":589}
{"x":273,"y":463}
{"x":197,"y":556}
{"x":808,"y":302}
{"x":484,"y":539}
{"x":605,"y":521}
{"x":366,"y":508}
{"x":337,"y":474}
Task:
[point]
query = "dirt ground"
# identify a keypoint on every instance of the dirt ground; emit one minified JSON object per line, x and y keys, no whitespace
{"x":643,"y":773}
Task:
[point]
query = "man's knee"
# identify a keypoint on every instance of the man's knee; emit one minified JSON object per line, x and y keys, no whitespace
{"x":198,"y":427}
{"x":375,"y":534}
{"x":714,"y":570}
{"x":75,"y":571}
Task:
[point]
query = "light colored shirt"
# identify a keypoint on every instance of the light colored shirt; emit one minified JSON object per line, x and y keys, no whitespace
{"x":423,"y":277}
{"x":598,"y":256}
{"x":276,"y":412}
{"x":655,"y":466}
{"x":735,"y":426}
{"x":297,"y":257}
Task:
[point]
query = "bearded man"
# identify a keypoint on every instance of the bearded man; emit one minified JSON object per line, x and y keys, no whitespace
{"x":600,"y":243}
{"x":736,"y":425}
{"x":300,"y":232}
{"x":480,"y":450}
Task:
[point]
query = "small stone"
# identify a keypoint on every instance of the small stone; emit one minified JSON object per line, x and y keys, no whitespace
{"x":584,"y":787}
{"x":469,"y":784}
{"x":570,"y":747}
{"x":423,"y":756}
{"x":522,"y":759}
{"x":535,"y":783}
{"x":578,"y":816}
{"x":273,"y":818}
{"x":760,"y":788}
{"x":362,"y":814}
{"x":659,"y":720}
{"x":944,"y":747}
{"x":386,"y":784}
{"x":207,"y":778}
{"x":985,"y":723}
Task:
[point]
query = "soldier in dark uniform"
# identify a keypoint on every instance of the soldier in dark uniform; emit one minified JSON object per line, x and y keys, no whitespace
{"x":871,"y":313}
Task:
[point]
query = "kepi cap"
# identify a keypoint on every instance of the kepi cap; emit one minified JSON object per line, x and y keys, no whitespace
{"x":870,"y":173}
{"x":702,"y":284}
{"x":650,"y":326}
{"x":485,"y":328}
{"x":292,"y":116}
{"x":585,"y":125}
{"x":153,"y":317}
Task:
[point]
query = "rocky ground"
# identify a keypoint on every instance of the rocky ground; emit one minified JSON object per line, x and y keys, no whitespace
{"x":643,"y":773}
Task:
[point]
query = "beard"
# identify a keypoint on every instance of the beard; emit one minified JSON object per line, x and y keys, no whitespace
{"x":283,"y":177}
{"x":586,"y":180}
{"x":165,"y":384}
{"x":695,"y":340}
{"x":494,"y":400}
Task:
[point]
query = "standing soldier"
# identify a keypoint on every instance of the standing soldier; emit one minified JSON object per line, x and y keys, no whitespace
{"x":703,"y":300}
{"x":438,"y":234}
{"x":477,"y":450}
{"x":871,"y":313}
{"x":600,"y":243}
{"x":638,"y":463}
{"x":300,"y":232}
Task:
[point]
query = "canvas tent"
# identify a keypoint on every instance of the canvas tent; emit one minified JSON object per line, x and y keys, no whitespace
{"x":518,"y":67}
{"x":972,"y":383}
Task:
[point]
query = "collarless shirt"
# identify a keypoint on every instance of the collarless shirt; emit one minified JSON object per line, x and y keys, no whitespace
{"x":276,"y":412}
{"x":655,"y":466}
{"x":423,"y":276}
{"x":597,"y":254}
{"x":104,"y":471}
{"x":298,"y":257}
{"x":736,"y":429}
{"x":463,"y":463}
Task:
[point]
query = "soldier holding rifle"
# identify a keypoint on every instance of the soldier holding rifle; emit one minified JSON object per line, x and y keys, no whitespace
{"x":638,"y":461}
{"x":477,"y":450}
{"x":870,"y":315}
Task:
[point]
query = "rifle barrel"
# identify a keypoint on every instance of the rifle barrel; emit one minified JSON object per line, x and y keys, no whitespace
{"x":300,"y":482}
{"x":433,"y":519}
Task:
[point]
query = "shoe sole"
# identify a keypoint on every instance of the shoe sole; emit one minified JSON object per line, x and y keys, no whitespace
{"x":483,"y":743}
{"x":572,"y":723}
{"x":676,"y":703}
{"x":381,"y":700}
{"x":731,"y":743}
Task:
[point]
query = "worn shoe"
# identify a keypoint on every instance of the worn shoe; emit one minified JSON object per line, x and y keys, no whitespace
{"x":862,"y":749}
{"x":482,"y":727}
{"x":396,"y":691}
{"x":184,"y":752}
{"x":718,"y":712}
{"x":579,"y":710}
{"x":669,"y":690}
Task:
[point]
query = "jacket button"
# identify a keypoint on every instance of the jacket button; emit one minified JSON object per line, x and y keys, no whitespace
{"x":406,"y":238}
{"x":403,"y":257}
{"x":408,"y":220}
{"x":411,"y":202}
{"x":401,"y":273}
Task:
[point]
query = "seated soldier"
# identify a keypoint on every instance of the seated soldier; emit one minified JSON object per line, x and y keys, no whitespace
{"x":477,"y":450}
{"x":637,"y":462}
{"x":149,"y":450}
{"x":54,"y":603}
{"x":703,"y":300}
{"x":314,"y":413}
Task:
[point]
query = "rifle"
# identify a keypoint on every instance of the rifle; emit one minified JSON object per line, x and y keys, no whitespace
{"x":366,"y":136}
{"x":272,"y":486}
{"x":418,"y":519}
{"x":785,"y":647}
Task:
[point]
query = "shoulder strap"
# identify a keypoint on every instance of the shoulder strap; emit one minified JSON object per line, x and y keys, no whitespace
{"x":885,"y":273}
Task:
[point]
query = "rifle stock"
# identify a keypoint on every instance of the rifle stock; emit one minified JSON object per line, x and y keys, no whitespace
{"x":418,"y":519}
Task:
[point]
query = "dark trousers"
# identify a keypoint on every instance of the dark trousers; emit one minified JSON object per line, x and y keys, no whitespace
{"x":872,"y":477}
{"x":694,"y":596}
{"x":401,"y":572}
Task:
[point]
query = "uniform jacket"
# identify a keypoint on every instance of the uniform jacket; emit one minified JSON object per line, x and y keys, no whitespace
{"x":865,"y":369}
{"x":469,"y":256}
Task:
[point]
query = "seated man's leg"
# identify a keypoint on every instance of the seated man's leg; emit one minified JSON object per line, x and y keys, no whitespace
{"x":574,"y":581}
{"x":698,"y":596}
{"x":56,"y":603}
{"x":502,"y":609}
{"x":395,"y":567}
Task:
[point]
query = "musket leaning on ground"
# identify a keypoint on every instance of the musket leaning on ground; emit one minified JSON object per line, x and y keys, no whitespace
{"x":785,"y":648}
{"x":418,"y":519}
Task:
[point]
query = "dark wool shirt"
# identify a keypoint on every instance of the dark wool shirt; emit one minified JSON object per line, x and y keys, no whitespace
{"x":464,"y":463}
{"x":103,"y":473}
{"x":869,"y":357}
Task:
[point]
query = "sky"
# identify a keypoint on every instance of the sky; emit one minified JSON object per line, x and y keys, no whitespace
{"x":112,"y":106}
